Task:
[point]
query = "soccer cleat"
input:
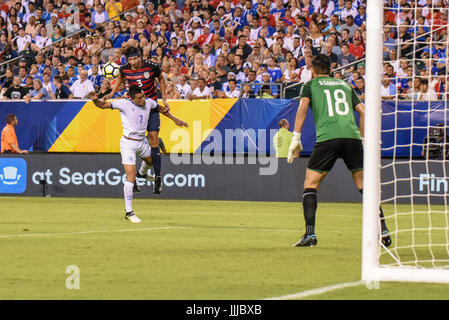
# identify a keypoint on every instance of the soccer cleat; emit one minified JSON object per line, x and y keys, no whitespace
{"x":150,"y":177}
{"x":157,"y":185}
{"x":136,"y":188}
{"x":307,"y":240}
{"x":147,"y":176}
{"x":132,"y":217}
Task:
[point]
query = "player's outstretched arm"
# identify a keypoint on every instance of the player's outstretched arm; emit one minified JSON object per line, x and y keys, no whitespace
{"x":178,"y":122}
{"x":98,"y":102}
{"x":162,"y":87}
{"x":296,"y":145}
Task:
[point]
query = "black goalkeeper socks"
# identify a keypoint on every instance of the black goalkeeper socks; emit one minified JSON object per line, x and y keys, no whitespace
{"x":309,"y":204}
{"x":381,"y":215}
{"x":156,"y":158}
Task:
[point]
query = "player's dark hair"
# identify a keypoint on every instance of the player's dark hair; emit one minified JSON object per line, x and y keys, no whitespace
{"x":131,"y":51}
{"x":321,"y":64}
{"x":10,"y":118}
{"x":134,"y":90}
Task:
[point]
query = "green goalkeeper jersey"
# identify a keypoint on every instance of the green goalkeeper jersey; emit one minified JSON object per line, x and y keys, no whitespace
{"x":332,"y":102}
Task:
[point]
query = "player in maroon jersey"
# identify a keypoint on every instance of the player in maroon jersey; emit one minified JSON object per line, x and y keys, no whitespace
{"x":144,"y":74}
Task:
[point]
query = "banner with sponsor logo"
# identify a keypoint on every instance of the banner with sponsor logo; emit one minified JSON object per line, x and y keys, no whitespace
{"x":184,"y":177}
{"x":252,"y":178}
{"x":231,"y":126}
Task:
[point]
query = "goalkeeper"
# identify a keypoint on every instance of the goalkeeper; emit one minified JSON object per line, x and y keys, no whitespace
{"x":333,"y":102}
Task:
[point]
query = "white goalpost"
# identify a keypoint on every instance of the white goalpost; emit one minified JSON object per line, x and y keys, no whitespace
{"x":416,"y":212}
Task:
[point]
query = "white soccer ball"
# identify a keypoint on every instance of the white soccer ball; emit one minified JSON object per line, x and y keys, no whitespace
{"x":111,"y":70}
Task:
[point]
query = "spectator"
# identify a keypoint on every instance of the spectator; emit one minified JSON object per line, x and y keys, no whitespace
{"x":233,"y":90}
{"x":345,"y":58}
{"x":324,"y":9}
{"x":291,"y":73}
{"x":328,"y":52}
{"x":47,"y":83}
{"x":253,"y":82}
{"x":114,"y":8}
{"x":350,"y":26}
{"x":348,"y":10}
{"x":16,"y":91}
{"x":6,"y":82}
{"x":242,"y":44}
{"x":61,"y":90}
{"x":360,"y":88}
{"x":99,"y":15}
{"x":71,"y":26}
{"x":105,"y":89}
{"x":338,"y":75}
{"x":183,"y":87}
{"x":426,"y":94}
{"x":361,"y":69}
{"x":405,"y":43}
{"x":356,"y":48}
{"x":213,"y":83}
{"x":40,"y":39}
{"x":305,"y":73}
{"x":202,"y":92}
{"x":171,"y":91}
{"x":38,"y":92}
{"x":29,"y":84}
{"x":388,"y":89}
{"x":117,"y":38}
{"x":107,"y":51}
{"x":273,"y":69}
{"x":256,"y":54}
{"x":22,"y":42}
{"x":82,"y":86}
{"x":121,"y":91}
{"x":247,"y":92}
{"x":360,"y":18}
{"x":9,"y":143}
{"x":267,"y":90}
{"x":415,"y":89}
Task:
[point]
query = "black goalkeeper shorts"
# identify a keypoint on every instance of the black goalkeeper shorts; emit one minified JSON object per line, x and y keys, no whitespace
{"x":325,"y":154}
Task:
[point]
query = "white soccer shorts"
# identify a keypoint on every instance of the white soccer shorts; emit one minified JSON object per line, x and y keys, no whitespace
{"x":131,"y":150}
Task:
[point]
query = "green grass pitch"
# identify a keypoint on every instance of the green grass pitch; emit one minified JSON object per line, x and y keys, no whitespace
{"x":184,"y":250}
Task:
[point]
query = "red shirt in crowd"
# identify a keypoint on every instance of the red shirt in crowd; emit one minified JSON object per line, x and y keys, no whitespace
{"x":356,"y":51}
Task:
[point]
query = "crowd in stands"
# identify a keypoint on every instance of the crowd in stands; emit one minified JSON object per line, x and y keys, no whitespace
{"x":217,"y":48}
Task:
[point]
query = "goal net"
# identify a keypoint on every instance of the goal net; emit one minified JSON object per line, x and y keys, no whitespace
{"x":406,"y":143}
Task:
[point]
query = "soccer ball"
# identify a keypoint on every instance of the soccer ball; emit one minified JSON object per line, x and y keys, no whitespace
{"x":111,"y":70}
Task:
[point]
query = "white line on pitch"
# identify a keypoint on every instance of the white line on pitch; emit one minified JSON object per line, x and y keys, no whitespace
{"x":317,"y":291}
{"x":140,"y":229}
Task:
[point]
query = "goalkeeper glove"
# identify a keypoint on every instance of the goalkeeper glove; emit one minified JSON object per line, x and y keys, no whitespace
{"x":294,"y":145}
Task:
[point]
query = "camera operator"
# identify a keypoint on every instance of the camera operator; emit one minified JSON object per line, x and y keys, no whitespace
{"x":436,"y":144}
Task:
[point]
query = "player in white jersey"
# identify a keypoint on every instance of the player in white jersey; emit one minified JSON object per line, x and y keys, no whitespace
{"x":134,"y":114}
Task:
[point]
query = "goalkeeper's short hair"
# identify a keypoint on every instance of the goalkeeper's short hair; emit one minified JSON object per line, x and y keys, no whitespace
{"x":321,"y":64}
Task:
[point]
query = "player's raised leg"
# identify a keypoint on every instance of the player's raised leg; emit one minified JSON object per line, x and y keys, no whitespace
{"x":310,"y":203}
{"x":144,"y":169}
